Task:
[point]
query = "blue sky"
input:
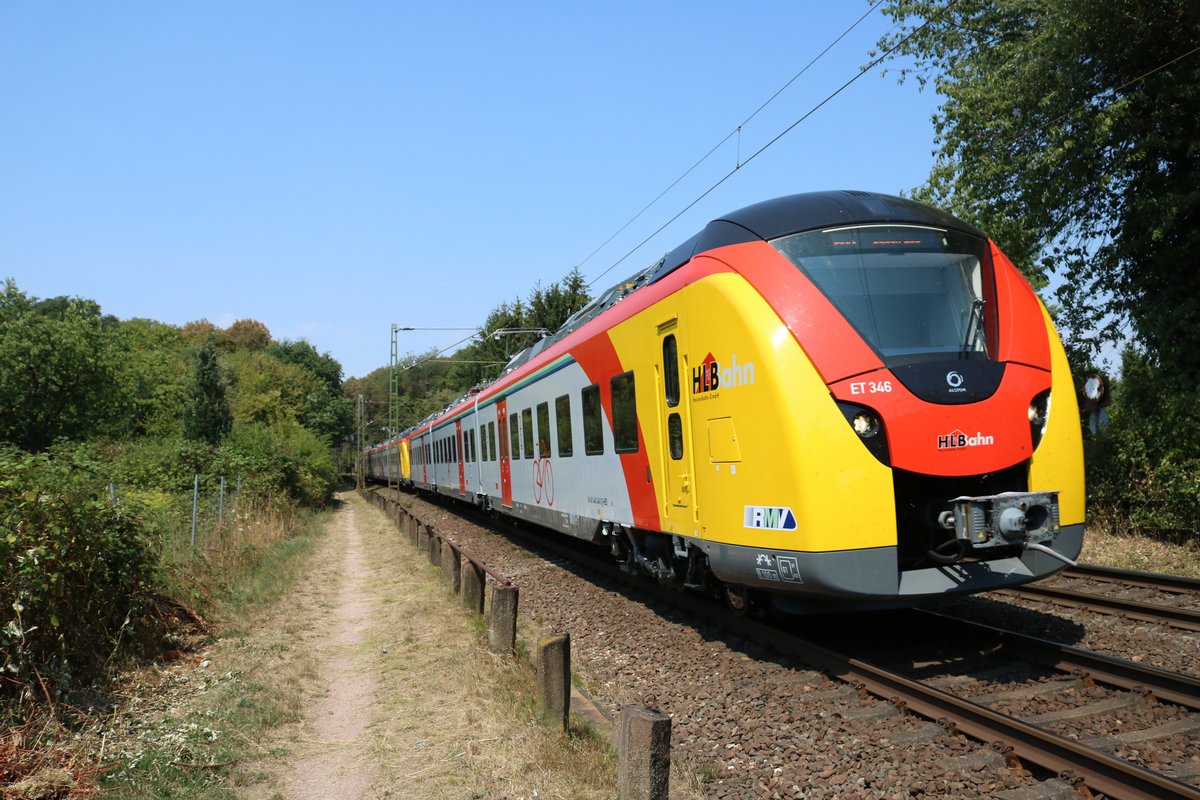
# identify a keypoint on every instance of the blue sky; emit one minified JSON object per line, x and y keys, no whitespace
{"x":332,"y":168}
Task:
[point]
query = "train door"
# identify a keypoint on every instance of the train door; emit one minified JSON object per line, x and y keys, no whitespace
{"x":462,"y":455}
{"x":678,"y":499}
{"x":506,"y":497}
{"x":419,"y":444}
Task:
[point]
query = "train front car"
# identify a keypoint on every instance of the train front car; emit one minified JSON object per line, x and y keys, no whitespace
{"x":881,"y":409}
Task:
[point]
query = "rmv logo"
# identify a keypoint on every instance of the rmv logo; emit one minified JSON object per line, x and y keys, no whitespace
{"x":773,"y":518}
{"x":709,"y":376}
{"x":957,"y":439}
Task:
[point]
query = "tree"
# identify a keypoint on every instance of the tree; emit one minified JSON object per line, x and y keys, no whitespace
{"x":152,"y":377}
{"x":1069,"y":132}
{"x":303,"y":354}
{"x":245,"y":334}
{"x":57,"y":369}
{"x":550,"y":307}
{"x":197,"y":332}
{"x":206,"y":417}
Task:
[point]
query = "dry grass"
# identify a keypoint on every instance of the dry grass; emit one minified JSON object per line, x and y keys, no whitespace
{"x":458,"y":721}
{"x":226,"y":569}
{"x":38,"y":761}
{"x":1107,"y":545}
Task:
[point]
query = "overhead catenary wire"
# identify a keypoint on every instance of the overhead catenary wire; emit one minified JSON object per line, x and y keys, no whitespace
{"x":874,"y":63}
{"x":862,"y":71}
{"x":737,"y":131}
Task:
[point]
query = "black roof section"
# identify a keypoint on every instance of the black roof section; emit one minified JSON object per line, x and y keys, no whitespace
{"x":814,"y":210}
{"x":796,"y":213}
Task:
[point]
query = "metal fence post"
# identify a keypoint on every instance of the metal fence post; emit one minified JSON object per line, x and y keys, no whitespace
{"x":195,"y":506}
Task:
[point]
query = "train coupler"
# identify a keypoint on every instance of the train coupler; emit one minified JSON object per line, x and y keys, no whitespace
{"x":1029,"y":519}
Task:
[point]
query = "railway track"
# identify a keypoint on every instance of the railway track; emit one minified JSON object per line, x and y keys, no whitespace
{"x":950,"y":702}
{"x":1167,"y":590}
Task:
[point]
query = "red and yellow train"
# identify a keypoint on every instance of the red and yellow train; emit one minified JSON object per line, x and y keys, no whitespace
{"x":835,"y":398}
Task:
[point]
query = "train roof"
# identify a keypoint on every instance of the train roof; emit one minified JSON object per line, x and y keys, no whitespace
{"x":796,"y":213}
{"x":801,"y":212}
{"x":763,"y":221}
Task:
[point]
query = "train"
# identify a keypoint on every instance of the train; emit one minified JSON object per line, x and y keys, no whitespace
{"x":825,"y":401}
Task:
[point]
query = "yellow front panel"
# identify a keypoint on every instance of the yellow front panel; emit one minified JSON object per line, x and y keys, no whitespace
{"x":1057,"y":464}
{"x":405,"y":461}
{"x":797,"y":453}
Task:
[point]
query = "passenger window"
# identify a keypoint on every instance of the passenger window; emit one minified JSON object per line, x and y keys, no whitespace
{"x":593,"y":424}
{"x":562,"y":419}
{"x":491,"y":441}
{"x":543,"y":430}
{"x":514,"y":429}
{"x":625,"y":435}
{"x":675,"y":436}
{"x":527,"y":431}
{"x":671,"y":371}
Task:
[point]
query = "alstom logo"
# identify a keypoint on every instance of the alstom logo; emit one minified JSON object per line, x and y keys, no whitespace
{"x":772,"y":518}
{"x":957,"y":439}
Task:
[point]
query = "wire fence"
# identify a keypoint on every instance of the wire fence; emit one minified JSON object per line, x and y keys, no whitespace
{"x":192,"y":517}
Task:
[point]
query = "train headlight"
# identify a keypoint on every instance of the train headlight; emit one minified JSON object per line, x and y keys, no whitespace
{"x":865,"y":424}
{"x":1039,"y":417}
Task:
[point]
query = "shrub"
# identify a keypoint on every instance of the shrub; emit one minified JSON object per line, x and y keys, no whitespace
{"x":74,"y":574}
{"x":1144,"y":469}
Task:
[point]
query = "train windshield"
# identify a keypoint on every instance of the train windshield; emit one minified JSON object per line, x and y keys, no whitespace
{"x":914,"y":294}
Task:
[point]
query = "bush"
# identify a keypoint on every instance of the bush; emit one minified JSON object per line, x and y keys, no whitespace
{"x":285,"y":459}
{"x":75,"y":573}
{"x":1144,"y":469}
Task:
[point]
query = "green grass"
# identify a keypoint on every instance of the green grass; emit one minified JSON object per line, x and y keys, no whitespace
{"x":194,"y":747}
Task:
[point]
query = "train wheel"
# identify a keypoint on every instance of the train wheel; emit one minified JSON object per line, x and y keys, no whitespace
{"x":737,"y":597}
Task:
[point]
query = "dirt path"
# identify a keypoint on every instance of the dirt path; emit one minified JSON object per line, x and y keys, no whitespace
{"x":397,"y":696}
{"x":335,"y":739}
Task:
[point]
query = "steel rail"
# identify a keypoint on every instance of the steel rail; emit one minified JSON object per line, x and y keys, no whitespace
{"x":1150,"y":580}
{"x":1070,"y":759}
{"x":1186,"y":618}
{"x":1098,"y":770}
{"x":1172,"y":687}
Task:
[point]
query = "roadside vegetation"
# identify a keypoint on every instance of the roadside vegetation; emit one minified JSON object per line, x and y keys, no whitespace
{"x":111,"y":434}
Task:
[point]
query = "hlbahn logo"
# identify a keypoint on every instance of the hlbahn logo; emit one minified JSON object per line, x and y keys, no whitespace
{"x":708,"y":377}
{"x":773,"y":518}
{"x":956,"y":440}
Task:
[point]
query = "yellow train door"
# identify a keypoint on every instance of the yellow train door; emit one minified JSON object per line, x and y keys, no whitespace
{"x":678,"y":500}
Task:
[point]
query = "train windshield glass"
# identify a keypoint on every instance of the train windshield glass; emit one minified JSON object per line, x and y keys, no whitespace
{"x":914,"y":294}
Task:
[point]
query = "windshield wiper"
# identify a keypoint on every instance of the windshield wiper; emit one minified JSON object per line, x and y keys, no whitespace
{"x":972,"y":326}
